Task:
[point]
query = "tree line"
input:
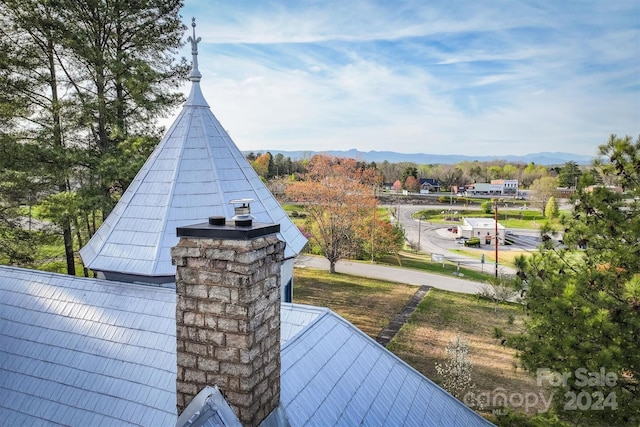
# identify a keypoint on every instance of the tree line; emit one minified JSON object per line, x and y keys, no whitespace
{"x":567,"y":175}
{"x":544,"y":182}
{"x":82,"y":85}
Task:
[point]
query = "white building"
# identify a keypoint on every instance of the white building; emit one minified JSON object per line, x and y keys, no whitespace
{"x":509,"y":186}
{"x":482,"y":228}
{"x":498,"y":187}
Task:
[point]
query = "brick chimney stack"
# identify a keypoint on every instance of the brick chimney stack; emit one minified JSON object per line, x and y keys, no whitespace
{"x":228,"y":315}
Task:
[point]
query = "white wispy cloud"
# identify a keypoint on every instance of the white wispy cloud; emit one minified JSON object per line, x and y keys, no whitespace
{"x":499,"y":77}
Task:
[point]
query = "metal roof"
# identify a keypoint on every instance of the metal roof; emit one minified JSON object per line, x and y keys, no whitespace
{"x":78,"y":351}
{"x":193,"y":174}
{"x":295,"y":317}
{"x":335,"y":375}
{"x":208,"y":409}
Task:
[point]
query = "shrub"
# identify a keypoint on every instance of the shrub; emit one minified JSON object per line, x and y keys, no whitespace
{"x":456,"y":371}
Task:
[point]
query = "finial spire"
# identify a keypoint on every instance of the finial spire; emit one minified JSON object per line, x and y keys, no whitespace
{"x":195,"y":73}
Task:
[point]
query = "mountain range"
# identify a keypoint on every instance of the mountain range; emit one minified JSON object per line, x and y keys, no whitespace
{"x":543,"y":158}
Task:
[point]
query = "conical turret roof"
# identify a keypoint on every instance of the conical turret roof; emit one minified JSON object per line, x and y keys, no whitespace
{"x":193,"y":174}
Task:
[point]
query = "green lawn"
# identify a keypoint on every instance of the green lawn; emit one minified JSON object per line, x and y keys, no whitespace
{"x":419,"y":261}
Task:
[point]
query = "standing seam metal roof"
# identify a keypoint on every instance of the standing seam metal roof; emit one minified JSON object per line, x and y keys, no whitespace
{"x":193,"y":174}
{"x":335,"y":375}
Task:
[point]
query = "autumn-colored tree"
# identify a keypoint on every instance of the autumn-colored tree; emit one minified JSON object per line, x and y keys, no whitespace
{"x":409,"y":171}
{"x":411,"y":184}
{"x":397,"y":186}
{"x":377,"y":237}
{"x":261,"y":164}
{"x":338,"y":197}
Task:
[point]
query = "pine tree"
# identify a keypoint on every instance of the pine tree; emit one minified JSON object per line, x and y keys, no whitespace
{"x":583,"y":299}
{"x":32,"y":27}
{"x":123,"y":79}
{"x":569,"y":175}
{"x":89,"y":80}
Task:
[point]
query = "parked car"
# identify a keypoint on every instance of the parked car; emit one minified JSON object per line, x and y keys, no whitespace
{"x":472,"y":242}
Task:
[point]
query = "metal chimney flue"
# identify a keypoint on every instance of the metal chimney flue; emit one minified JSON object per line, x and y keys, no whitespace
{"x":217,"y":220}
{"x":242,"y":212}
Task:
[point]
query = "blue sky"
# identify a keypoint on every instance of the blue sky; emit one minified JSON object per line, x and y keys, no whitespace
{"x":441,"y":77}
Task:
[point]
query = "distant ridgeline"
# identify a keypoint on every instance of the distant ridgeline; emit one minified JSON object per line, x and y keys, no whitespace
{"x":546,"y":158}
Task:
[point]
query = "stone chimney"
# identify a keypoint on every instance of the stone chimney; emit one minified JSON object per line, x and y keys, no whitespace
{"x":228,"y":315}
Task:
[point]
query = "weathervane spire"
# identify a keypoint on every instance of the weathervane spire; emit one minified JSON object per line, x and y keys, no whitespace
{"x":195,"y":75}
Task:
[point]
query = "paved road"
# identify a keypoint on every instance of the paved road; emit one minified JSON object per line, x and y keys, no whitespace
{"x":435,"y":239}
{"x":393,"y":274}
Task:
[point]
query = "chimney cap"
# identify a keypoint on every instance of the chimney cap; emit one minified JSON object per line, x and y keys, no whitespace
{"x":240,"y":202}
{"x":228,"y":232}
{"x":242,"y":210}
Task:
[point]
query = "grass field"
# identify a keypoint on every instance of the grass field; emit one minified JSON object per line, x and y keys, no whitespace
{"x":510,"y":218}
{"x":423,"y":339}
{"x":370,"y":304}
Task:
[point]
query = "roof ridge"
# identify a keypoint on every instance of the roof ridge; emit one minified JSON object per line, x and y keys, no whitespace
{"x":160,"y":237}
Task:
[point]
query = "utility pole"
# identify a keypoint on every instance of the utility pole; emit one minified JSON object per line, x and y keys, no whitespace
{"x":419,"y":230}
{"x":495,"y":211}
{"x":373,"y":233}
{"x":373,"y":224}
